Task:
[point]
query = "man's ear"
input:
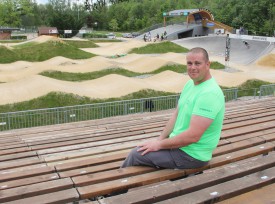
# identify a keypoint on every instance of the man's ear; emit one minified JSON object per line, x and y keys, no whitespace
{"x":208,"y":64}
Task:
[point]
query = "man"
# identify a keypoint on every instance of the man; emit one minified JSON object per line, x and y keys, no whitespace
{"x":193,"y":131}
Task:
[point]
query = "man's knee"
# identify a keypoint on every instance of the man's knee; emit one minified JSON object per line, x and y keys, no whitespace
{"x":131,"y":158}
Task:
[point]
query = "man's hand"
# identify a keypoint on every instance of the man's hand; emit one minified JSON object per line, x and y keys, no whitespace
{"x":149,"y":146}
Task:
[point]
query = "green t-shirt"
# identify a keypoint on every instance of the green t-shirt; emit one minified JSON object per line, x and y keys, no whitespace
{"x":206,"y":100}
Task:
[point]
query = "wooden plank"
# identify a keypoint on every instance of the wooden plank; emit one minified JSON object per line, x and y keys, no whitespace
{"x":249,"y":122}
{"x":95,"y":136}
{"x":238,"y":145}
{"x":250,"y":135}
{"x":100,"y":144}
{"x":20,"y":163}
{"x":10,"y":140}
{"x":256,"y":114}
{"x":28,"y":181}
{"x":160,"y":192}
{"x":88,"y":158}
{"x":59,"y":197}
{"x":228,"y":189}
{"x":248,"y":129}
{"x":259,"y":196}
{"x":15,"y":150}
{"x":6,"y":176}
{"x":111,"y":174}
{"x":269,"y":137}
{"x":126,"y":183}
{"x":83,"y":141}
{"x":122,"y":184}
{"x":90,"y":170}
{"x":18,"y":156}
{"x":11,"y":146}
{"x":35,"y":189}
{"x":84,"y":152}
{"x":241,"y":154}
{"x":91,"y":162}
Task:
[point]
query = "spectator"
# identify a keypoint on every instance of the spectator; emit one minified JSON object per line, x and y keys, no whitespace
{"x":193,"y":131}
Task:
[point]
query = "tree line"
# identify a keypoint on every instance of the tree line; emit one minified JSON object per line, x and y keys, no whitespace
{"x":256,"y":16}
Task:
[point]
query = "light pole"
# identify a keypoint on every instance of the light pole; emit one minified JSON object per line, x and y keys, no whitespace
{"x":77,"y":10}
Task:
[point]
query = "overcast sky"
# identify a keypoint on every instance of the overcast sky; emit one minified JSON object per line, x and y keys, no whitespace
{"x":42,"y":1}
{"x":46,"y":1}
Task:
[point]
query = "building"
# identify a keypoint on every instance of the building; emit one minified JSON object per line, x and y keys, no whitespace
{"x":51,"y":31}
{"x":5,"y":32}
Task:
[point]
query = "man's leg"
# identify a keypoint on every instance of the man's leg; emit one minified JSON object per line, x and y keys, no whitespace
{"x":159,"y":159}
{"x":169,"y":159}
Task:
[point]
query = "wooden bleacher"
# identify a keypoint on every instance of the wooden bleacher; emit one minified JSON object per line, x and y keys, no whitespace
{"x":79,"y":162}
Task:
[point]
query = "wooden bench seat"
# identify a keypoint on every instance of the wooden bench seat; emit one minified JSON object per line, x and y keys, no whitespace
{"x":227,"y":189}
{"x":88,"y":155}
{"x":261,"y":195}
{"x":161,"y":175}
{"x":63,"y":196}
{"x":200,"y":183}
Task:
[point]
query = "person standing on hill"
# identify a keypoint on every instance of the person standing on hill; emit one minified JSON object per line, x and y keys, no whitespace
{"x":194,"y":130}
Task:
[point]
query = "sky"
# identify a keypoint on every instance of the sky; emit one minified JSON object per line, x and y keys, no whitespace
{"x":42,"y":1}
{"x":46,"y":1}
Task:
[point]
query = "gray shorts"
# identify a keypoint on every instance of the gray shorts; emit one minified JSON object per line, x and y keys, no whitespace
{"x":167,"y":158}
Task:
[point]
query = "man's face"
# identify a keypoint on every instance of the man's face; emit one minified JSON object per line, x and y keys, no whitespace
{"x":198,"y":67}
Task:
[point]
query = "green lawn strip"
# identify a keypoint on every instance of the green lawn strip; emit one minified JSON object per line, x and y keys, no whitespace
{"x":163,"y":47}
{"x":217,"y":65}
{"x":7,"y":55}
{"x":68,"y":76}
{"x":25,"y":45}
{"x":11,"y":41}
{"x":57,"y":99}
{"x":81,"y":43}
{"x":41,"y":52}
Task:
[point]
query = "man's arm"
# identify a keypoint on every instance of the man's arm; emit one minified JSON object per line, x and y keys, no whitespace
{"x":198,"y":126}
{"x":169,"y":126}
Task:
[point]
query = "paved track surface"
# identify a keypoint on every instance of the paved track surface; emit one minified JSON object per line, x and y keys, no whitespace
{"x":239,"y":53}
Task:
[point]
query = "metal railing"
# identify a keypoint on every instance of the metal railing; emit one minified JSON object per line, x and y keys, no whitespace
{"x":60,"y":115}
{"x":267,"y":90}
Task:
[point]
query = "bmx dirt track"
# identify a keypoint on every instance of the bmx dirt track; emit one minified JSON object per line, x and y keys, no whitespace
{"x":23,"y":82}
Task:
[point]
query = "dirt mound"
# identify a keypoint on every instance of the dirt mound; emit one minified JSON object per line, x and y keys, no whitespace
{"x":268,"y":61}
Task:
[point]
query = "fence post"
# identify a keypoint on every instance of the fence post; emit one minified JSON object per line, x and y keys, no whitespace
{"x":260,"y":94}
{"x":9,"y":122}
{"x":125,"y":109}
{"x":141,"y":105}
{"x":236,"y":93}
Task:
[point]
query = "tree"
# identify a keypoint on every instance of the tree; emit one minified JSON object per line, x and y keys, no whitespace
{"x":66,"y":16}
{"x":11,"y":11}
{"x":99,"y":4}
{"x":113,"y":25}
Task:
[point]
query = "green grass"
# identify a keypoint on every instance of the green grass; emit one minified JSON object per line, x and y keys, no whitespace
{"x":56,"y":99}
{"x":217,"y":65}
{"x":81,"y":44}
{"x":105,"y":40}
{"x":11,"y":41}
{"x":34,"y":52}
{"x":66,"y":76}
{"x":252,"y":84}
{"x":156,"y":48}
{"x":7,"y":55}
{"x":25,"y":45}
